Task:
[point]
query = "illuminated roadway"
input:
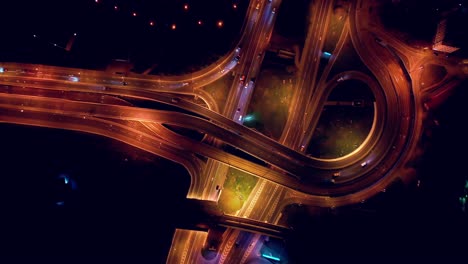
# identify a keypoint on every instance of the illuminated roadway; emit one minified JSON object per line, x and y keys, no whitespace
{"x":278,"y":150}
{"x":297,"y":160}
{"x":240,"y":140}
{"x":85,"y":100}
{"x":241,"y":90}
{"x":282,"y":152}
{"x":309,"y":62}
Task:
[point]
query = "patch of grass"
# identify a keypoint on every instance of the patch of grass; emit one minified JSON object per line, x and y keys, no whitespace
{"x":351,"y":90}
{"x":270,"y":102}
{"x":229,"y":202}
{"x":236,"y":190}
{"x":341,"y":129}
{"x":219,"y":89}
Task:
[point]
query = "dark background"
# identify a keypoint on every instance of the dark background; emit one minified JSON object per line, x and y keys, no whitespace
{"x":104,"y":34}
{"x":125,"y":201}
{"x":406,"y":221}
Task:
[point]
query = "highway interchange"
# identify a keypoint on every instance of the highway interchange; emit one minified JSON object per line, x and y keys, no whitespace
{"x":98,"y":102}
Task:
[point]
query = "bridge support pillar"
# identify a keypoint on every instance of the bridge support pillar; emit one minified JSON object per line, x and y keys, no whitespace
{"x":213,"y":241}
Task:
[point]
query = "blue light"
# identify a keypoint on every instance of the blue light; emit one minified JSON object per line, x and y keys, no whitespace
{"x":271,"y":257}
{"x":65,"y":178}
{"x":248,"y":118}
{"x":73,"y":79}
{"x":2,"y":70}
{"x":327,"y":54}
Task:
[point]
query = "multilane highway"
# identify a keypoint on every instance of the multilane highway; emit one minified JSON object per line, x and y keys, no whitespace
{"x":96,"y":102}
{"x":241,"y":141}
{"x":282,"y":153}
{"x":31,"y":76}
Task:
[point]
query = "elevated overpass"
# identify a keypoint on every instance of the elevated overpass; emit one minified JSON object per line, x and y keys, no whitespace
{"x":254,"y":226}
{"x":204,"y":215}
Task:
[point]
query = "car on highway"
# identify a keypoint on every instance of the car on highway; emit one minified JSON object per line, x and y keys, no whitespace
{"x":381,"y":42}
{"x":358,"y":103}
{"x":175,"y":100}
{"x":73,"y":78}
{"x":336,"y":174}
{"x":363,"y":164}
{"x":242,"y":79}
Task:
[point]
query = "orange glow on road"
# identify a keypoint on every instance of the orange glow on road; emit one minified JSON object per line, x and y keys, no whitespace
{"x":183,"y":242}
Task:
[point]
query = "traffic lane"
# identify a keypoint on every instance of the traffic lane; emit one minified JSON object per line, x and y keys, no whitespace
{"x":255,"y":169}
{"x":234,"y":138}
{"x":107,"y":128}
{"x":277,"y":148}
{"x":145,"y":95}
{"x":308,"y":65}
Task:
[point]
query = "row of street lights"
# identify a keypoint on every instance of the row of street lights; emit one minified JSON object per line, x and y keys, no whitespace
{"x":173,"y":26}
